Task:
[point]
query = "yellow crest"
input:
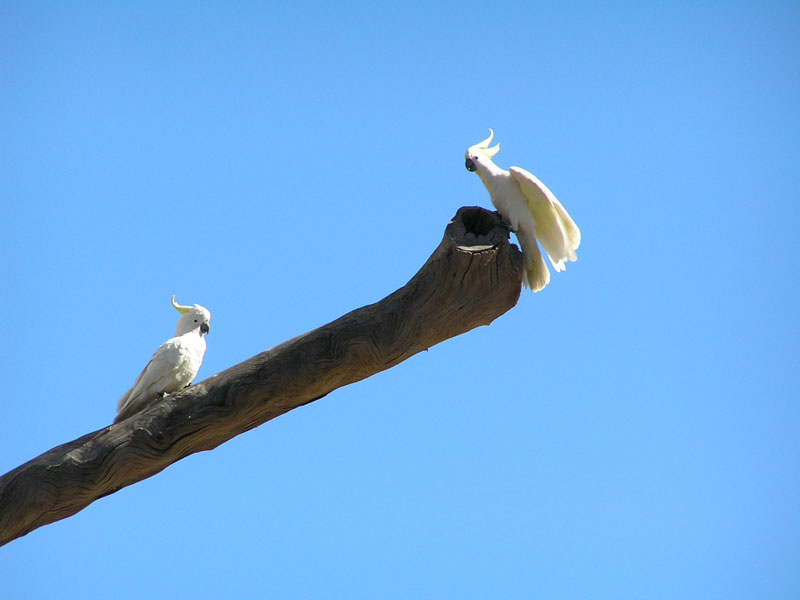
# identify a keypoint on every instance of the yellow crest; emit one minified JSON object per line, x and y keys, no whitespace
{"x":184,"y":310}
{"x":483,"y":146}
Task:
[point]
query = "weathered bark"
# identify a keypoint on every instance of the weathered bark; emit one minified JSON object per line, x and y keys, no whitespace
{"x":472,"y":278}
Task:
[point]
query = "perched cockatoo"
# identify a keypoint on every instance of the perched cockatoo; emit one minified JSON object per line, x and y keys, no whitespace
{"x":174,"y":365}
{"x":531,"y":209}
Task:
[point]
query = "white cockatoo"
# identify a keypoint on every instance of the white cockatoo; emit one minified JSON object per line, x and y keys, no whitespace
{"x":532,"y":210}
{"x":174,"y":365}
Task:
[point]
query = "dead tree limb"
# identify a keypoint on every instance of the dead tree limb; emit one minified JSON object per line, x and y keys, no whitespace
{"x":472,"y":278}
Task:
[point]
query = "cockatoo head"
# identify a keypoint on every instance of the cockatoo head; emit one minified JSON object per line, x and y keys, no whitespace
{"x":480,"y":155}
{"x":192,"y":317}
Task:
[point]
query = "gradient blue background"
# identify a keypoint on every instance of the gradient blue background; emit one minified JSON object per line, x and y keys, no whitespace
{"x":631,"y":432}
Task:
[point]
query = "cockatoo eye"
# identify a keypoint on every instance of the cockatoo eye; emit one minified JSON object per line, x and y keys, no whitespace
{"x":470,"y":164}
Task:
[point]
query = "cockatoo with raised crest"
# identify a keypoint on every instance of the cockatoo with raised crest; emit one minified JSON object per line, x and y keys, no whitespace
{"x":174,"y":365}
{"x":531,"y":209}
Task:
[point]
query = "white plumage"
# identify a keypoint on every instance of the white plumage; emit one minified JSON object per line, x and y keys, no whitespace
{"x":533,"y":212}
{"x":174,"y":365}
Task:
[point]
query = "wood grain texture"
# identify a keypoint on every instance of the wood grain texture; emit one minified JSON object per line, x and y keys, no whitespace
{"x":473,"y":277}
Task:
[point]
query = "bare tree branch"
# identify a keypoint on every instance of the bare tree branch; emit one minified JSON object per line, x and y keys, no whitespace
{"x":471,"y":278}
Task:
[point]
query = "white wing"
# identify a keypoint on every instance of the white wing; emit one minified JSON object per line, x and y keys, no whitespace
{"x":157,"y":377}
{"x":555,"y":229}
{"x":536,"y":275}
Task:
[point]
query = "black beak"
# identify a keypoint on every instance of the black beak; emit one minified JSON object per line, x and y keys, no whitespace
{"x":470,"y":165}
{"x":204,"y":328}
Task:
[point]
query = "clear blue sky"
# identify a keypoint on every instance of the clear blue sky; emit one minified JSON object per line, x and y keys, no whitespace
{"x":629,"y":433}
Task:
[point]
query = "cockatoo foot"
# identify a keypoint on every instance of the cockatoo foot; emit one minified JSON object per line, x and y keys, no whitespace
{"x":505,"y":221}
